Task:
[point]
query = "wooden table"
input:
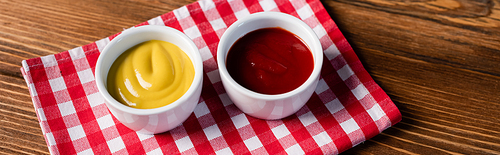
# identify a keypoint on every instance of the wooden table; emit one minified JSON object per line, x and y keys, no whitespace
{"x":439,"y":61}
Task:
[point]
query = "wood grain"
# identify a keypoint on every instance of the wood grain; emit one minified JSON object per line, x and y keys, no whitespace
{"x":438,"y":60}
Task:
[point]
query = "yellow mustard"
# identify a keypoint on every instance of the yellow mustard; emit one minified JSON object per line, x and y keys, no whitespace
{"x":151,"y":74}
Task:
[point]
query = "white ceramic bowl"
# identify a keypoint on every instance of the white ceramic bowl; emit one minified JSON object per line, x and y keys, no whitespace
{"x":157,"y":120}
{"x":265,"y":106}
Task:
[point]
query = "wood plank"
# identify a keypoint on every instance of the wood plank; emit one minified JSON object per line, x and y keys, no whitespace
{"x":439,"y":70}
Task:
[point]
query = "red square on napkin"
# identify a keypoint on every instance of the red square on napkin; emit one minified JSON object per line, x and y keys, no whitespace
{"x":347,"y":108}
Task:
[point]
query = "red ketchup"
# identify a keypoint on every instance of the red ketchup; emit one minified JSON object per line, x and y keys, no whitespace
{"x":270,"y":61}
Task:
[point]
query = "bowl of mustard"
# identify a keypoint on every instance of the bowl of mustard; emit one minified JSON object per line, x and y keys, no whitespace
{"x":150,"y":78}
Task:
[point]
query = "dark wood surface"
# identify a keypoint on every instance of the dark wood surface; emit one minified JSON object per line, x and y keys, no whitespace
{"x":439,"y":61}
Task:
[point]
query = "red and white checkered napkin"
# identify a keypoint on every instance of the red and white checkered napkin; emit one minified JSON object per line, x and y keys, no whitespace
{"x":347,"y":108}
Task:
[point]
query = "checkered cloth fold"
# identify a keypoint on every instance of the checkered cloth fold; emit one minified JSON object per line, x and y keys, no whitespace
{"x":347,"y":108}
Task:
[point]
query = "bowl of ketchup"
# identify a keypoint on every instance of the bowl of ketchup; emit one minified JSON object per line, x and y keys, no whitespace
{"x":269,"y":63}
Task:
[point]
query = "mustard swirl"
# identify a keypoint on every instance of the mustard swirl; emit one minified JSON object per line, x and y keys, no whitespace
{"x":151,"y":74}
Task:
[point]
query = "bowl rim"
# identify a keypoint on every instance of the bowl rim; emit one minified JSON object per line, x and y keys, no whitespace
{"x":195,"y":59}
{"x":316,"y":49}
